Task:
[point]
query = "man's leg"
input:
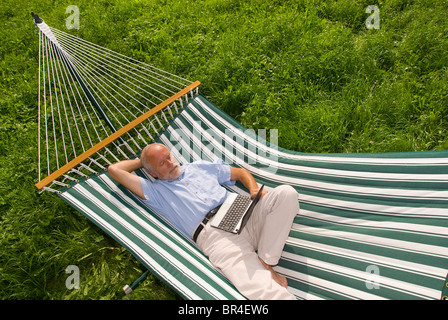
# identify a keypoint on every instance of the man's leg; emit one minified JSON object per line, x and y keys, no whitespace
{"x":270,"y":223}
{"x":281,"y":280}
{"x":239,"y":262}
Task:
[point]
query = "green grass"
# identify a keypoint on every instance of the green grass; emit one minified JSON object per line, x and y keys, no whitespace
{"x":310,"y":69}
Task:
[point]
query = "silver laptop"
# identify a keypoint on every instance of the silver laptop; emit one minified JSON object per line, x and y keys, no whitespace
{"x":234,"y":212}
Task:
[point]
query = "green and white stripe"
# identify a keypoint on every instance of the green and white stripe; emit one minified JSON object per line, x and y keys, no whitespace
{"x":371,"y":226}
{"x":173,"y":258}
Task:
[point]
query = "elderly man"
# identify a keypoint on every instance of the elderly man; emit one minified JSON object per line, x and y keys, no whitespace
{"x":186,"y":194}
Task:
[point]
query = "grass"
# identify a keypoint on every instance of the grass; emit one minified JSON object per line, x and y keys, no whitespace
{"x":310,"y":69}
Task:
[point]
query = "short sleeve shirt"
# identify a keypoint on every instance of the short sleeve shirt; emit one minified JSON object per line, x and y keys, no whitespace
{"x":186,"y":200}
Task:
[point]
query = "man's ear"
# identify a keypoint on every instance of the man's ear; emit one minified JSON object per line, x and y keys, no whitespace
{"x":152,"y":173}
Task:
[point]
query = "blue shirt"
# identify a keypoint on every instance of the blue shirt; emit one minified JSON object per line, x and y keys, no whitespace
{"x":186,"y":200}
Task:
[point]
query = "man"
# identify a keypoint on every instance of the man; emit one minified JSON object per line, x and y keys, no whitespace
{"x":185,"y":195}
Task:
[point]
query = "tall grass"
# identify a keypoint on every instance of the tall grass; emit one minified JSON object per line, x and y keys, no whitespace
{"x":310,"y":69}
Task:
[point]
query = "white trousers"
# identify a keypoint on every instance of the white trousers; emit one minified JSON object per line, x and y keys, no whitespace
{"x":263,"y":236}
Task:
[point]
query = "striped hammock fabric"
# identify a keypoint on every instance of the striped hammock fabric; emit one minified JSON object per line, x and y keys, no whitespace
{"x":371,"y":226}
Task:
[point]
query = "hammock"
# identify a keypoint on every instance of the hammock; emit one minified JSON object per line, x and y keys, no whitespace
{"x":371,"y":226}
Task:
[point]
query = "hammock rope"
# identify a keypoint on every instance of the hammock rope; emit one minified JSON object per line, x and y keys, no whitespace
{"x":371,"y":226}
{"x":78,"y":95}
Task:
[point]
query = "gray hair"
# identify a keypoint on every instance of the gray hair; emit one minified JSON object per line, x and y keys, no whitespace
{"x":144,"y":159}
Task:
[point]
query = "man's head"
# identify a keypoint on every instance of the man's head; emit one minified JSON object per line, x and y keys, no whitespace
{"x":159,"y":162}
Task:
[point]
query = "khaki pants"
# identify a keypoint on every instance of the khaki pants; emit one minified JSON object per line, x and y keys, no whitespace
{"x":264,"y":235}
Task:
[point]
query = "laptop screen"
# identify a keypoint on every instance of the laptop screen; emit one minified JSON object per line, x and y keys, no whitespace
{"x":251,"y":208}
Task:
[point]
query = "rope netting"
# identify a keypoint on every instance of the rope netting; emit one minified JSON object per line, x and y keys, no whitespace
{"x":96,"y":106}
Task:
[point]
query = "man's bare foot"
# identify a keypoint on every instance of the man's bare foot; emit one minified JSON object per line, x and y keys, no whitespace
{"x":281,"y":280}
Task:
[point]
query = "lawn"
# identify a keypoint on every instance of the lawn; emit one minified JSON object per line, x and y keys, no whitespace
{"x":310,"y":69}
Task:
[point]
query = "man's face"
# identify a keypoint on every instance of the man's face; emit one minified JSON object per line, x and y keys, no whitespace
{"x":164,"y":164}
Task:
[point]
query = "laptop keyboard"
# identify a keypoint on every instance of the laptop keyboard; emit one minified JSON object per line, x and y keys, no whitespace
{"x":236,"y":211}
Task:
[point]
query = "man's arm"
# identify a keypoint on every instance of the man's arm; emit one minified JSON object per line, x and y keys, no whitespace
{"x":122,"y":173}
{"x":247,"y":179}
